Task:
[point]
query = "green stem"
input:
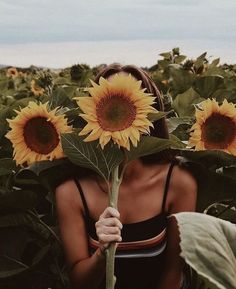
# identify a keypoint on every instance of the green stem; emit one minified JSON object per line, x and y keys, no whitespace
{"x":110,"y":252}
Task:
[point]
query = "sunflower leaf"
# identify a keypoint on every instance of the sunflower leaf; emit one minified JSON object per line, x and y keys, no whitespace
{"x":47,"y":173}
{"x":59,"y":97}
{"x":211,"y":159}
{"x":207,"y":85}
{"x":7,"y":165}
{"x":12,"y":250}
{"x":183,"y":103}
{"x":150,"y":145}
{"x":181,"y":80}
{"x":211,"y":250}
{"x":174,"y":122}
{"x":154,"y":116}
{"x":213,"y":186}
{"x":91,"y":155}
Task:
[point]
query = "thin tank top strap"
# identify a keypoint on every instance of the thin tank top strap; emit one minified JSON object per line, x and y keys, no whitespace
{"x":86,"y":210}
{"x":167,"y":186}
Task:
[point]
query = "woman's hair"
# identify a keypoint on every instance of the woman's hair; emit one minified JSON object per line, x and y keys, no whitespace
{"x":160,"y":127}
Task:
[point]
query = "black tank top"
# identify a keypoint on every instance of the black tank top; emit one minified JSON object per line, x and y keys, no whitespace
{"x":139,"y":257}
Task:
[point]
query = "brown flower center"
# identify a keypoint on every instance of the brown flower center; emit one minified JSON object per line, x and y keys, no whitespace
{"x":218,"y":131}
{"x":40,"y":135}
{"x":115,"y":112}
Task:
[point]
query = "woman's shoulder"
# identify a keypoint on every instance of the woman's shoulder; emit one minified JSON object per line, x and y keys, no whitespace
{"x":183,"y":189}
{"x":66,"y":185}
{"x":66,"y":193}
{"x":70,"y":182}
{"x":182,"y":175}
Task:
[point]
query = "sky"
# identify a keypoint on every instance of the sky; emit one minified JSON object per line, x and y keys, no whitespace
{"x":30,"y":30}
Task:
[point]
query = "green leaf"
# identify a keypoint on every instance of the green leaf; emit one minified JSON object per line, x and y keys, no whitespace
{"x":183,"y":103}
{"x":149,"y":145}
{"x":182,"y":132}
{"x":200,"y":61}
{"x":211,"y":159}
{"x":21,"y":103}
{"x":212,"y":186}
{"x":230,"y":171}
{"x":7,"y":165}
{"x":214,"y":63}
{"x":41,"y":254}
{"x":91,"y":155}
{"x":207,"y":85}
{"x":174,"y":122}
{"x":20,"y":94}
{"x":181,"y":79}
{"x":224,"y":211}
{"x":166,"y":55}
{"x":11,"y":251}
{"x":12,"y":272}
{"x":70,"y":90}
{"x":59,"y":97}
{"x":177,"y":142}
{"x":180,"y":59}
{"x":154,"y":116}
{"x":210,"y":250}
{"x":24,"y":219}
{"x":163,"y":63}
{"x":48,"y":173}
{"x":4,"y":114}
{"x":18,"y":199}
{"x":175,"y":51}
{"x":4,"y":84}
{"x":38,"y":167}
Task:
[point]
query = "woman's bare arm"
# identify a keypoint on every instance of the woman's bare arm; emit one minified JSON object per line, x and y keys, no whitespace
{"x":183,"y":193}
{"x":87,"y":272}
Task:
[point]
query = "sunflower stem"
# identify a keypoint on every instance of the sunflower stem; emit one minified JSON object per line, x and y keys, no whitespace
{"x":110,"y":252}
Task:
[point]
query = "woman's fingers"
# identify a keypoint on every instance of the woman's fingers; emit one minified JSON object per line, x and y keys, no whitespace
{"x":104,"y":238}
{"x":111,"y":222}
{"x":110,"y":212}
{"x":108,"y":227}
{"x":108,"y":230}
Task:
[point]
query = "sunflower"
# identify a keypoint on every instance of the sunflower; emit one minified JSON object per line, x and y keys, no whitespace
{"x":215,"y":127}
{"x":22,"y":74}
{"x":37,"y":90}
{"x":117,"y":110}
{"x":35,"y":133}
{"x":12,"y":72}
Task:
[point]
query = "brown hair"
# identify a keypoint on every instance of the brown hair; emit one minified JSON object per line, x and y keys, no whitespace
{"x":160,"y":127}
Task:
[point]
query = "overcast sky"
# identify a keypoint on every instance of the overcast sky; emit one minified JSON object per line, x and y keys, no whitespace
{"x":51,"y":21}
{"x":75,"y":20}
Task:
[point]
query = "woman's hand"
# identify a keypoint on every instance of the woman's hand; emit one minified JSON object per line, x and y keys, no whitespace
{"x":108,"y":227}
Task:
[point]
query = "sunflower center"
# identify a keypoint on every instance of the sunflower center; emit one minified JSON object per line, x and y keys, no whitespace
{"x":218,"y":131}
{"x":41,"y":135}
{"x":115,"y":112}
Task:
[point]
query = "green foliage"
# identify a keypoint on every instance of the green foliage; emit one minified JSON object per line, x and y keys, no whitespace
{"x":208,"y":245}
{"x":151,"y":145}
{"x":91,"y":155}
{"x":183,"y":103}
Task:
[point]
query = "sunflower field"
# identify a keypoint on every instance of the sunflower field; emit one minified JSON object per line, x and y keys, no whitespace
{"x":38,"y":107}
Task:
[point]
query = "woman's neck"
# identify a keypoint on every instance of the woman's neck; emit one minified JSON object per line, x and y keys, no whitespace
{"x":133,"y":170}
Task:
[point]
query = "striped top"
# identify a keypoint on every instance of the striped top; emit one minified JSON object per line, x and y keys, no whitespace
{"x":140,"y":255}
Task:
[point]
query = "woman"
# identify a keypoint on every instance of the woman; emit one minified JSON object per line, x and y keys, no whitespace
{"x":153,"y":188}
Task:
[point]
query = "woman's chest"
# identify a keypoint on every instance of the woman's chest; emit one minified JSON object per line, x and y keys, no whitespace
{"x":136,"y":202}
